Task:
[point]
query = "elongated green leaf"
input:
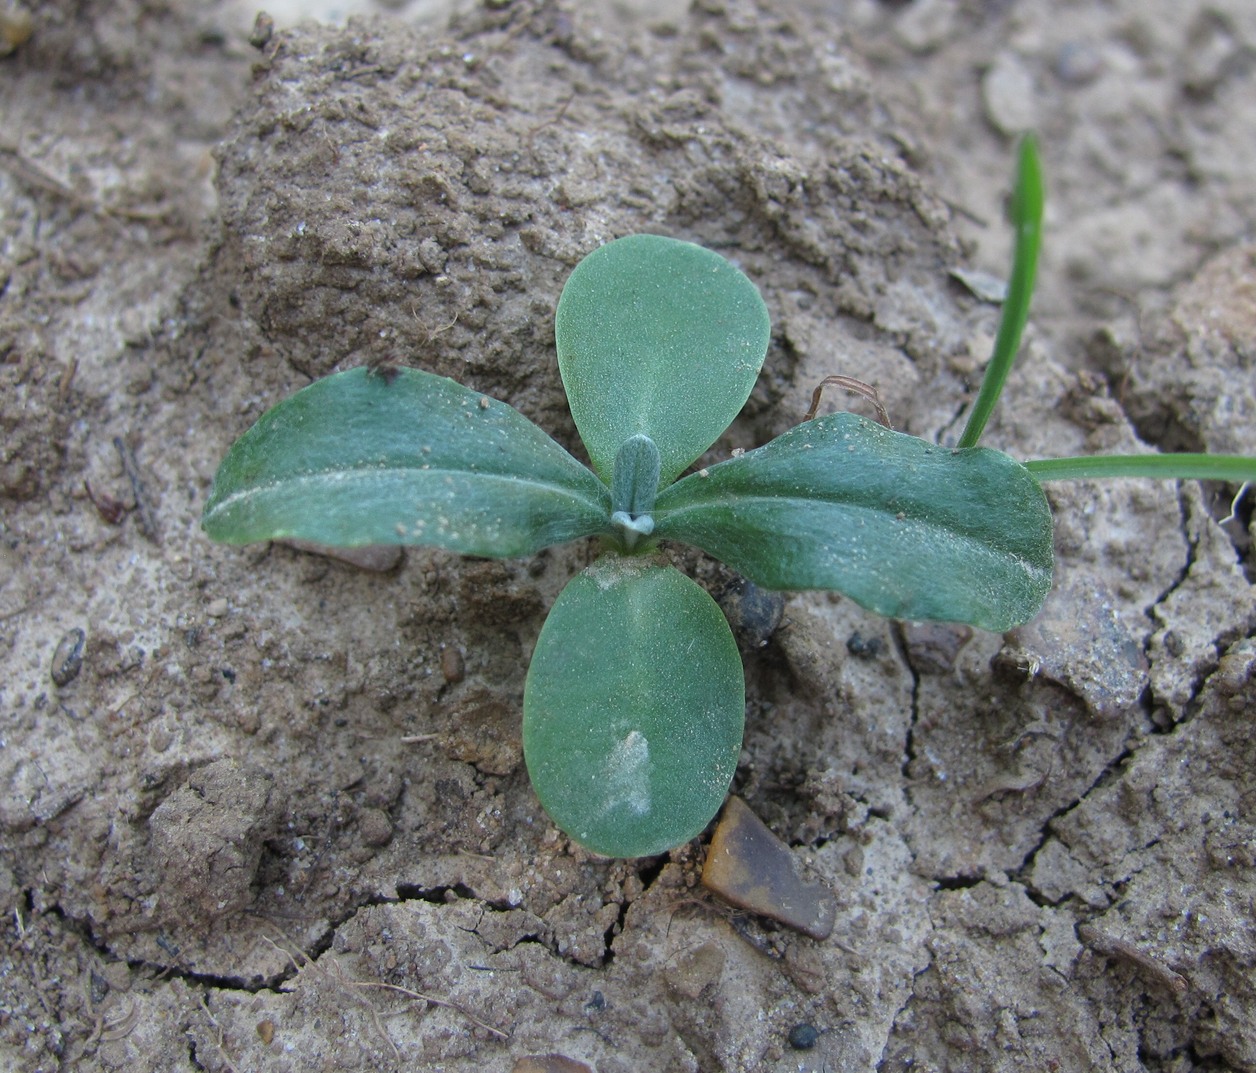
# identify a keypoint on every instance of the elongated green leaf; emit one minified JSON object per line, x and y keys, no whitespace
{"x":402,"y":457}
{"x":1165,"y":467}
{"x":904,"y":527}
{"x":1026,"y":213}
{"x":660,"y":338}
{"x":634,"y":708}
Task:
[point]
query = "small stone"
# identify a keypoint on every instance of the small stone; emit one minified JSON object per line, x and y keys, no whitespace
{"x":1007,"y":91}
{"x":1209,"y":55}
{"x":753,"y":613}
{"x":16,"y":27}
{"x":266,"y":1031}
{"x":1078,"y":63}
{"x":752,"y":869}
{"x":375,"y":827}
{"x":1080,"y":641}
{"x":216,"y":608}
{"x":803,"y":1037}
{"x":926,"y":25}
{"x":933,"y":647}
{"x":67,"y":659}
{"x":983,"y":285}
{"x":263,"y":30}
{"x":862,"y":647}
{"x":453,"y":667}
{"x":98,"y":987}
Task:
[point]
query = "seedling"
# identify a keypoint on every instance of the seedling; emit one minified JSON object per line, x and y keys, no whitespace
{"x":634,"y":703}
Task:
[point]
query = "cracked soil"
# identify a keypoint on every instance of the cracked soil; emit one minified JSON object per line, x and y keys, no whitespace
{"x":265,"y":810}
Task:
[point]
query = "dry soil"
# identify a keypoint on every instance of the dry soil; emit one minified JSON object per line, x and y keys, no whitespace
{"x":263,"y":810}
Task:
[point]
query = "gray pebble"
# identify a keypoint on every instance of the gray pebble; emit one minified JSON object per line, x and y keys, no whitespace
{"x":1007,"y":92}
{"x":1078,"y":63}
{"x":67,"y":660}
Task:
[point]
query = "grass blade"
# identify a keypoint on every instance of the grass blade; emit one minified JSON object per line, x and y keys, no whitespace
{"x":1027,"y":219}
{"x":1236,"y":469}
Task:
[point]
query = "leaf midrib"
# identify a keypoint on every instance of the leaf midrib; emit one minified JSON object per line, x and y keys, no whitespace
{"x":339,"y":473}
{"x":664,"y":516}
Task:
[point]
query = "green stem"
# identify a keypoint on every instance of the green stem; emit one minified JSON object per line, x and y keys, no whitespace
{"x":1236,"y":469}
{"x":1027,"y":218}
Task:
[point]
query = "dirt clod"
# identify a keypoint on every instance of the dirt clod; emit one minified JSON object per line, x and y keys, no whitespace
{"x":207,"y":838}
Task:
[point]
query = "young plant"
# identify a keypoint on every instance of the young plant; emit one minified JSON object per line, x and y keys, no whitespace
{"x":634,"y":702}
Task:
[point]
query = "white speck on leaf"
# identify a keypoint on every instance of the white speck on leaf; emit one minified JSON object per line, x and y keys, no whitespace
{"x":628,"y":773}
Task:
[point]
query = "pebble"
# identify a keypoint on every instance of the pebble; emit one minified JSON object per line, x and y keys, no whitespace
{"x":453,"y":667}
{"x":1078,"y":63}
{"x":263,"y":31}
{"x":926,"y":25}
{"x":933,"y":647}
{"x":16,"y":26}
{"x":862,"y":647}
{"x":67,"y":660}
{"x":752,"y":869}
{"x":375,"y":827}
{"x":753,"y":613}
{"x":803,"y":1037}
{"x":1007,"y":92}
{"x":216,"y":608}
{"x":1208,"y":57}
{"x":1081,"y":642}
{"x":983,"y":285}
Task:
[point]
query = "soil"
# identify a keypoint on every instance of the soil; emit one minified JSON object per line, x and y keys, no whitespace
{"x":265,"y":810}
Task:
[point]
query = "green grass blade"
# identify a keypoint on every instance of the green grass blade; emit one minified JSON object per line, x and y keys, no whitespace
{"x":1027,"y":219}
{"x":1236,"y":469}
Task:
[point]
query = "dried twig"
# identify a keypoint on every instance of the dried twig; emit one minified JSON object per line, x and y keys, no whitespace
{"x":855,"y":387}
{"x":148,"y":520}
{"x":422,"y":997}
{"x":220,"y":1041}
{"x":1144,"y":964}
{"x":418,"y":996}
{"x":34,"y":175}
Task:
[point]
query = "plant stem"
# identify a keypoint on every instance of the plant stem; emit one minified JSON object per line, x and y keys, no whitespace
{"x":1027,"y":218}
{"x":1235,"y":469}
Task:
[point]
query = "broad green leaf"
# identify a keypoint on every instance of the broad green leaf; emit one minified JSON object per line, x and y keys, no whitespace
{"x":634,"y":708}
{"x":402,"y":457}
{"x":660,"y":338}
{"x":904,"y":527}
